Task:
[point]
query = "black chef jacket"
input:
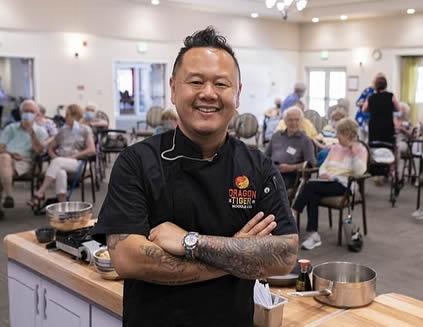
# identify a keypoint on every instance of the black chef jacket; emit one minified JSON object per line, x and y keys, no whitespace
{"x":211,"y":198}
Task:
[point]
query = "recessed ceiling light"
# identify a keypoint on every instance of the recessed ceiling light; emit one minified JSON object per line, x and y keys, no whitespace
{"x":254,"y":15}
{"x":155,"y":2}
{"x":270,"y":3}
{"x":315,"y":20}
{"x":411,"y":11}
{"x":343,"y":17}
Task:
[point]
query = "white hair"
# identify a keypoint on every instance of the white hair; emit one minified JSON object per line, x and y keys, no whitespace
{"x":28,"y":102}
{"x":291,"y":110}
{"x":405,"y":110}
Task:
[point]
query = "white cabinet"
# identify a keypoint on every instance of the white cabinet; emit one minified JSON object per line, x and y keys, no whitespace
{"x":60,"y":308}
{"x":100,"y":318}
{"x":35,"y":302}
{"x":24,"y":297}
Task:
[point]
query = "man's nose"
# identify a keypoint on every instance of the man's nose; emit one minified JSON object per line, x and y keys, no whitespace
{"x":208,"y":91}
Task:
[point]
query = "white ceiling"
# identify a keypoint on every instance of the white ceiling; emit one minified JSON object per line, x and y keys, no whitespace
{"x":326,"y":10}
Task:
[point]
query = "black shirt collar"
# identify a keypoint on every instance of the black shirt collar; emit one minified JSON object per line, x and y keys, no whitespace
{"x":186,"y":147}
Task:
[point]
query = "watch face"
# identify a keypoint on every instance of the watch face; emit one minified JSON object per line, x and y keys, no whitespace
{"x":191,"y":239}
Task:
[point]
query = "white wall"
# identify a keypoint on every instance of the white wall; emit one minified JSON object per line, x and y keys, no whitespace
{"x":267,"y":49}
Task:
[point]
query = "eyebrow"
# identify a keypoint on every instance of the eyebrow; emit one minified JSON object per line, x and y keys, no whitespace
{"x":193,"y":74}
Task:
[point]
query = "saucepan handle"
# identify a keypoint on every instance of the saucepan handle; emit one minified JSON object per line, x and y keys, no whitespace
{"x":324,"y":292}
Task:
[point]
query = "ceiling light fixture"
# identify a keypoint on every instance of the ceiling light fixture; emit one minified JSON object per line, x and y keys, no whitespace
{"x":254,"y":15}
{"x":411,"y":11}
{"x":155,"y":2}
{"x":315,"y":20}
{"x":343,"y":17}
{"x":285,"y":5}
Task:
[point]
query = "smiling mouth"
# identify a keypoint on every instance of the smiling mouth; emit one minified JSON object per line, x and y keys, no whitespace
{"x":207,"y":110}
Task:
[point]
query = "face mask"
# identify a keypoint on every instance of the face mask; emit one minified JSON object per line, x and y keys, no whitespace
{"x":89,"y":115}
{"x":76,"y":128}
{"x":27,"y":116}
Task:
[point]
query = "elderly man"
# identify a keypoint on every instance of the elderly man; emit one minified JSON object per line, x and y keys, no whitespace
{"x":18,"y":142}
{"x":179,"y":205}
{"x":289,"y":149}
{"x":293,"y":98}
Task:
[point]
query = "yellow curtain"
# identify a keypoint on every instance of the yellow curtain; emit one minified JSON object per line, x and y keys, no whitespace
{"x":409,"y":84}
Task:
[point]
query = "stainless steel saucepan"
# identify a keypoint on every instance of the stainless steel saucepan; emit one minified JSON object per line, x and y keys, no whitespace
{"x":342,"y":284}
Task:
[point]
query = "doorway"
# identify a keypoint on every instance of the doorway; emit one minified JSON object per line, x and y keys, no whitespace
{"x":326,"y":86}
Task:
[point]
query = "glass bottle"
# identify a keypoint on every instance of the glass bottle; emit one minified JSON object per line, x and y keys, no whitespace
{"x":303,"y":283}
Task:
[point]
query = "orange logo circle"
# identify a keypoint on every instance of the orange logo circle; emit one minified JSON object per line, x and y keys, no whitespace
{"x":242,"y":182}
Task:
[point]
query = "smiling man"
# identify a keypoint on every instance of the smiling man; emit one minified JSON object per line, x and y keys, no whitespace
{"x":192,"y":216}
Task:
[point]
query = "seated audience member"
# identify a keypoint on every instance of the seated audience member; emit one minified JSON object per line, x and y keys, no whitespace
{"x":289,"y":149}
{"x":18,"y":142}
{"x":306,"y":125}
{"x":90,"y":119}
{"x":169,"y":120}
{"x":46,"y":123}
{"x":347,"y":158}
{"x":328,"y":135}
{"x":73,"y":143}
{"x":272,"y":117}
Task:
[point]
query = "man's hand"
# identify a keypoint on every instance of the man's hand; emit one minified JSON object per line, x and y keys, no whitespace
{"x":16,"y":156}
{"x":169,"y":237}
{"x":257,"y":226}
{"x":286,"y":168}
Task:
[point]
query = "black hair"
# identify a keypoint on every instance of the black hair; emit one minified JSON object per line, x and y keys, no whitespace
{"x":207,"y":38}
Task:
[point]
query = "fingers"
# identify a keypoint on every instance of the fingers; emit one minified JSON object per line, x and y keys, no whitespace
{"x":248,"y":226}
{"x":267,"y":231}
{"x":262,"y":225}
{"x":152,"y":235}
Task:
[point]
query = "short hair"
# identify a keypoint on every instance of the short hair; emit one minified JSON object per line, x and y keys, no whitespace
{"x":293,"y":109}
{"x":380,"y":83}
{"x":75,"y":111}
{"x":30,"y":102}
{"x":42,"y":109}
{"x":91,"y":106}
{"x":169,"y":114}
{"x":300,"y":86}
{"x":338,"y":114}
{"x":207,"y":38}
{"x":347,"y":127}
{"x":405,"y":110}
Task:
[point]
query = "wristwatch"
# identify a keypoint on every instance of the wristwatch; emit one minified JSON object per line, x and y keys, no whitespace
{"x":190,"y":242}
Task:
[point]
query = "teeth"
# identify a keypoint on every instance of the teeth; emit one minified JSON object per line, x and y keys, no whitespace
{"x":207,"y":110}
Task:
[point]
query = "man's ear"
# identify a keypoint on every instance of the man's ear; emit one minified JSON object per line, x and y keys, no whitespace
{"x":172,"y":89}
{"x":238,"y":95}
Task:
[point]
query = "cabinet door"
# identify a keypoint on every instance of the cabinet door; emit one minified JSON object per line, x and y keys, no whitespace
{"x":100,"y":318}
{"x":24,"y":296}
{"x":63,"y":309}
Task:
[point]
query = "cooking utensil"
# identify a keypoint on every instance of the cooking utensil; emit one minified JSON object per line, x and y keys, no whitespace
{"x":67,"y":216}
{"x":282,"y":281}
{"x":342,"y":284}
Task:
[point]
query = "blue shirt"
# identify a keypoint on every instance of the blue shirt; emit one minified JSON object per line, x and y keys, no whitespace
{"x":363,"y":117}
{"x":17,"y":140}
{"x":289,"y":101}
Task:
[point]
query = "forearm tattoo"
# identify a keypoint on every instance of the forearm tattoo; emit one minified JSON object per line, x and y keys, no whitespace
{"x":248,"y":258}
{"x":114,"y":239}
{"x":174,"y":267}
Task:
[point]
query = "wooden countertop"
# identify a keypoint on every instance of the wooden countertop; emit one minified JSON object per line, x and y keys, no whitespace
{"x":386,"y":310}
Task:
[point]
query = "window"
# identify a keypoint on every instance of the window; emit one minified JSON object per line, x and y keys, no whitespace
{"x":326,"y":86}
{"x":419,"y":89}
{"x":140,"y":86}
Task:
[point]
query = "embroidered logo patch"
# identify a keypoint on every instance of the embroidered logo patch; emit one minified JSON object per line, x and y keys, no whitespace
{"x":241,"y":197}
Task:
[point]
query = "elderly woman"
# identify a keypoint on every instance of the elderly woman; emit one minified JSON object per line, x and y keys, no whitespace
{"x":289,"y":149}
{"x":403,"y":131}
{"x":347,"y":158}
{"x":73,"y":143}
